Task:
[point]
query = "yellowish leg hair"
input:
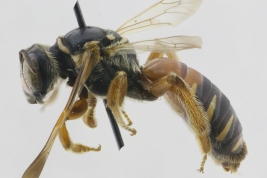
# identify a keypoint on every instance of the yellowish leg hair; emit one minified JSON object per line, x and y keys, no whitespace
{"x":196,"y":115}
{"x":68,"y":145}
{"x":116,"y":93}
{"x":89,"y":117}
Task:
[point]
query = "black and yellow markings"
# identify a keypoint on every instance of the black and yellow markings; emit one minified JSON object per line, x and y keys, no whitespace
{"x":110,"y":37}
{"x":227,"y":143}
{"x":211,"y":108}
{"x":226,"y":129}
{"x":238,"y":144}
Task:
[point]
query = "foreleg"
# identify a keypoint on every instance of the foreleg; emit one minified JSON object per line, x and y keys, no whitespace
{"x":80,"y":106}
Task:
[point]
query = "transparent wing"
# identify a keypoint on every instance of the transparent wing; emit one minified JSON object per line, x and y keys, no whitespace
{"x":161,"y":45}
{"x":35,"y":169}
{"x":163,"y":13}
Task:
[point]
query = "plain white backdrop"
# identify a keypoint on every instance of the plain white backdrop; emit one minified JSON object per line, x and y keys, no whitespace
{"x":233,"y":57}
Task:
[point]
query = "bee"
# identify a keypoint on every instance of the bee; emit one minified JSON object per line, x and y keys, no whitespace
{"x":102,"y":63}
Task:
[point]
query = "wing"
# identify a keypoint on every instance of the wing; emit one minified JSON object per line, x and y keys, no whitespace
{"x":163,"y":13}
{"x":161,"y":45}
{"x":35,"y":169}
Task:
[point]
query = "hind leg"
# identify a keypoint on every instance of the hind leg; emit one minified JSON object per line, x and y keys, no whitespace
{"x":162,"y":80}
{"x":154,"y":55}
{"x":196,"y":115}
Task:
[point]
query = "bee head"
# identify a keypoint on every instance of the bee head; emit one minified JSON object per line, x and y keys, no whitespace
{"x":38,"y":73}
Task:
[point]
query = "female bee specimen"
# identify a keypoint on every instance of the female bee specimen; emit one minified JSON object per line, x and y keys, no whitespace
{"x":100,"y":62}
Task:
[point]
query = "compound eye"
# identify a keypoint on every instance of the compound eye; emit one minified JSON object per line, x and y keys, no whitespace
{"x":31,"y":80}
{"x":28,"y":94}
{"x":34,"y":80}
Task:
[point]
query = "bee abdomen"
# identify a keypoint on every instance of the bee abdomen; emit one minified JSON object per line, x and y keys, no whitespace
{"x":226,"y":130}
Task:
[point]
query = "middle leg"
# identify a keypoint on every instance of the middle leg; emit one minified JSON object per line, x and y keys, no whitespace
{"x":116,"y":93}
{"x":78,"y":110}
{"x":89,"y":116}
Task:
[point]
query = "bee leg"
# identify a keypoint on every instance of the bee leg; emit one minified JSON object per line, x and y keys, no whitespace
{"x":78,"y":110}
{"x":173,"y":56}
{"x":154,"y":55}
{"x":127,"y":118}
{"x":88,"y":117}
{"x":68,"y":145}
{"x":201,"y":169}
{"x":116,"y":93}
{"x":196,"y":115}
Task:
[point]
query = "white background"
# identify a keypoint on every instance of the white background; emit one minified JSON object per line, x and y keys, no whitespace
{"x":233,"y":56}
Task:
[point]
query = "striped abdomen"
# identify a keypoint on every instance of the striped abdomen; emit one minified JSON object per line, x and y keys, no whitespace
{"x":226,"y":131}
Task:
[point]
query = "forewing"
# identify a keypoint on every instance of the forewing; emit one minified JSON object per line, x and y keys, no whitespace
{"x":163,"y":13}
{"x":35,"y":169}
{"x":161,"y":45}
